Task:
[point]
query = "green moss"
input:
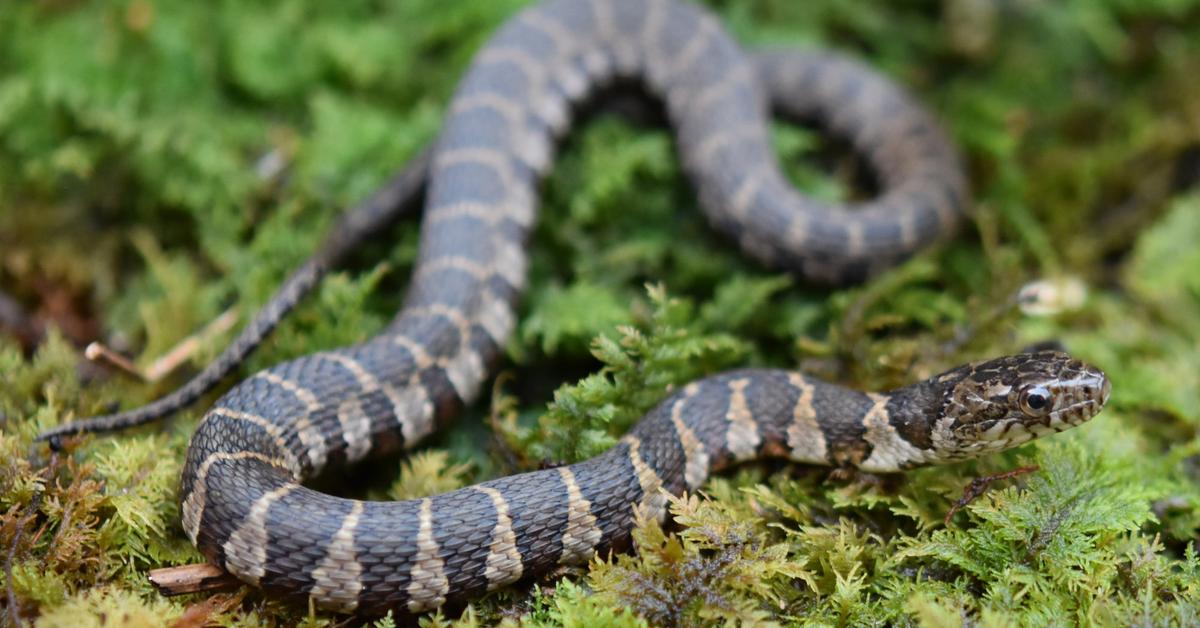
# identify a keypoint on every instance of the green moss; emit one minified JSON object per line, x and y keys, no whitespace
{"x":721,"y":567}
{"x":105,"y":606}
{"x":163,"y":161}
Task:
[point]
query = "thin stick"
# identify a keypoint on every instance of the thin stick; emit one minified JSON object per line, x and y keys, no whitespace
{"x":172,"y":359}
{"x":172,"y":581}
{"x":167,"y":364}
{"x":99,"y":352}
{"x":979,"y":486}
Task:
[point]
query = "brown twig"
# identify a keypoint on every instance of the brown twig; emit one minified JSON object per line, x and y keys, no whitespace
{"x":980,"y":485}
{"x":99,"y":352}
{"x":172,"y":581}
{"x":167,"y":363}
{"x":181,"y":352}
{"x":201,"y":613}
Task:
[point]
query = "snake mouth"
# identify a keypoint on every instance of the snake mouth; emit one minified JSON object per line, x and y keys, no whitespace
{"x":1011,"y":430}
{"x":1073,"y":414}
{"x":1095,"y":392}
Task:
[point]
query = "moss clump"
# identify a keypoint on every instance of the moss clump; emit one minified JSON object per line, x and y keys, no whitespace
{"x":163,"y":161}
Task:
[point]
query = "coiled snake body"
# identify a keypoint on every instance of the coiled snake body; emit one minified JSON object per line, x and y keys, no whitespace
{"x":243,"y":503}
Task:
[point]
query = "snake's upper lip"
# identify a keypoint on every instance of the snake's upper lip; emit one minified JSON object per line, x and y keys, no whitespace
{"x":1091,"y":389}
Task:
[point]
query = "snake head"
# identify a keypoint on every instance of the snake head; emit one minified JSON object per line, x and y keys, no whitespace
{"x":1000,"y":403}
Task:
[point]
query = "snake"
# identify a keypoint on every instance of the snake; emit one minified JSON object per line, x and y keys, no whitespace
{"x":243,"y":498}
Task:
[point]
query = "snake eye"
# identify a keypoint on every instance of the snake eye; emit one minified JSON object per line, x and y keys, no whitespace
{"x":1035,"y":401}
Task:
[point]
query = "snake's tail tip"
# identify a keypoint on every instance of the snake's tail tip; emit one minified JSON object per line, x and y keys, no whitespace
{"x":52,"y":438}
{"x":55,"y":437}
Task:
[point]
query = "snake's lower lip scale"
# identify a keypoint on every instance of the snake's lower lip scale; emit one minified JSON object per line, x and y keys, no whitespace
{"x":243,"y":503}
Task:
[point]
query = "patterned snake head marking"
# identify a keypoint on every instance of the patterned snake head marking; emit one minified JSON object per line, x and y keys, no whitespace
{"x":997,"y":404}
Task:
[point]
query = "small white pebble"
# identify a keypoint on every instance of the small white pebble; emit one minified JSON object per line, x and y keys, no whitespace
{"x":1047,"y":297}
{"x":270,"y":165}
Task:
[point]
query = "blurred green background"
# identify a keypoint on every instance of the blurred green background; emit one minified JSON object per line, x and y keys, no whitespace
{"x":163,"y":161}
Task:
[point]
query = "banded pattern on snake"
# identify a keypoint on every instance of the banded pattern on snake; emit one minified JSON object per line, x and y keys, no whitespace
{"x":243,"y":503}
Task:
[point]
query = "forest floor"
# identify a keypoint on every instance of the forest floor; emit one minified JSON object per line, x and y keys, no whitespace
{"x":164,"y":161}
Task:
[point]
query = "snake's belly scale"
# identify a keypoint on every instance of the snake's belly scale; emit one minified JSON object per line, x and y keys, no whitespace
{"x":243,"y":503}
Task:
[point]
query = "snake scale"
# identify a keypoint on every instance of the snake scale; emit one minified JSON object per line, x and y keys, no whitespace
{"x":243,"y":502}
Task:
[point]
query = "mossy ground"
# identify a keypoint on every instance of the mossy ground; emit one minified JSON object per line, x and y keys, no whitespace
{"x":162,"y":160}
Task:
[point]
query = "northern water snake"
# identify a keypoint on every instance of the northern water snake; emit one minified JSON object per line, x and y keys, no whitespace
{"x":242,"y":500}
